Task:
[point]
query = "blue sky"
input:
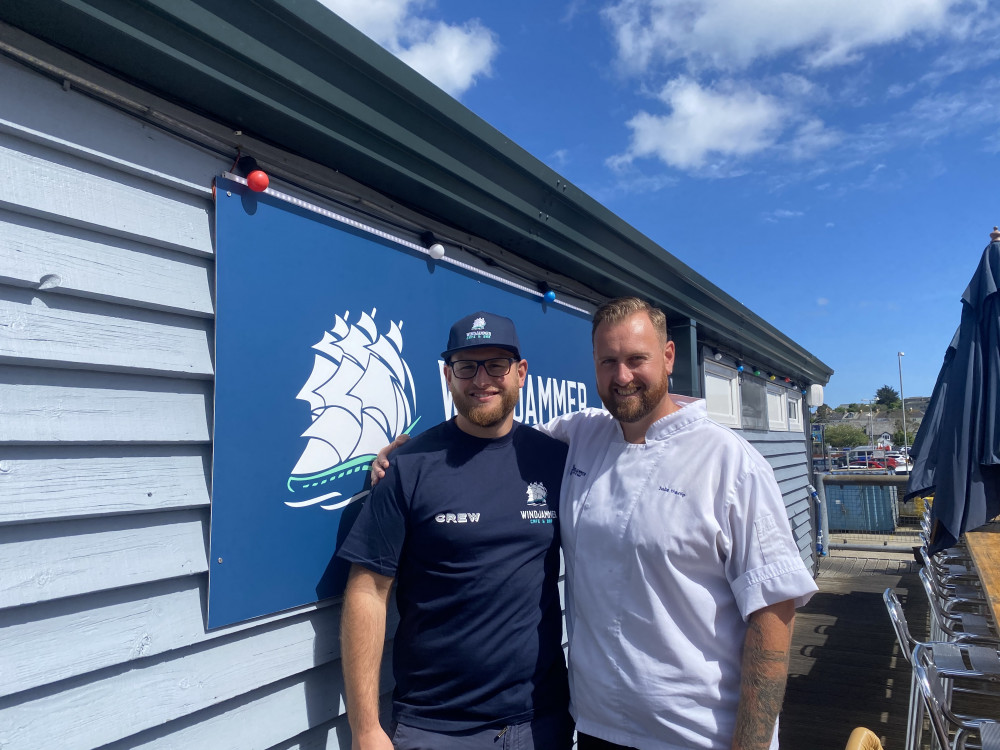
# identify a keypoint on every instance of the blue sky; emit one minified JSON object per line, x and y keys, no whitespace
{"x":831,"y":164}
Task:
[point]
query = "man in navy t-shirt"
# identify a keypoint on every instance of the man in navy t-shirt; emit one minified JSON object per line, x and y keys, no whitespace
{"x":465,"y":523}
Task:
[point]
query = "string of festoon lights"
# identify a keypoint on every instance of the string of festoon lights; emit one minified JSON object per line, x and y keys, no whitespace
{"x":744,"y":369}
{"x":246,"y":171}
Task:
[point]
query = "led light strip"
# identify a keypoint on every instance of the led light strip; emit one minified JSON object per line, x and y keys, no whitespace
{"x":398,"y":240}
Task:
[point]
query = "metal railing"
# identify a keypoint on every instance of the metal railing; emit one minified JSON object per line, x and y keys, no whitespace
{"x":865,"y":511}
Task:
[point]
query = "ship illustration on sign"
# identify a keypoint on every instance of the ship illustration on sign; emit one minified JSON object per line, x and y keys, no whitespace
{"x":361,"y":397}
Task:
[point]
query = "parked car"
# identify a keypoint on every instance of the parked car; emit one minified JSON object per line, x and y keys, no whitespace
{"x":900,"y":462}
{"x":866,"y":463}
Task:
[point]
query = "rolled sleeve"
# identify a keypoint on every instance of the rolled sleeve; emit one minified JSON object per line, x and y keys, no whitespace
{"x":765,"y":566}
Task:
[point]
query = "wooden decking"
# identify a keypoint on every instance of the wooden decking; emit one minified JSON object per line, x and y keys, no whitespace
{"x":846,"y":669}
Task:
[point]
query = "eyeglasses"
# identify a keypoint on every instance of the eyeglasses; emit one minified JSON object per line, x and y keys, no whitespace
{"x":466,"y":369}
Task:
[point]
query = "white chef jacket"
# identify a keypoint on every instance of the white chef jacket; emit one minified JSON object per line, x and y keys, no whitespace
{"x":669,"y":546}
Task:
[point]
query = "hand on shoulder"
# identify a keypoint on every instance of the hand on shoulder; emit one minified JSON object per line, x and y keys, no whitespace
{"x":381,"y":462}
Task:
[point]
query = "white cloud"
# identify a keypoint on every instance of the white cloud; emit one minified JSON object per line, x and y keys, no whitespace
{"x":451,"y":56}
{"x":645,"y":184}
{"x":728,"y":121}
{"x":782,"y":213}
{"x":981,"y":54}
{"x":822,"y":301}
{"x":930,"y":118}
{"x":732,"y":34}
{"x":382,"y":20}
{"x":573,"y":9}
{"x":559,"y":157}
{"x":897,"y":90}
{"x":811,"y":138}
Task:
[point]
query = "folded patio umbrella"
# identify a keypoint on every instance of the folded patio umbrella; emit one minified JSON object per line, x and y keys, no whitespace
{"x":957,"y":448}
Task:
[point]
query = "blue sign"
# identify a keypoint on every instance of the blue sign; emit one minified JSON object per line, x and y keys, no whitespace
{"x":328,"y":342}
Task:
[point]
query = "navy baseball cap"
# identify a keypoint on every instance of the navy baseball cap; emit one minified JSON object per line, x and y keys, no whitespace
{"x":482,"y":329}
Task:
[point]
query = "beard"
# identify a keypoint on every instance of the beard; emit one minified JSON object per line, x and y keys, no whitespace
{"x":486,"y":415}
{"x":634,"y":409}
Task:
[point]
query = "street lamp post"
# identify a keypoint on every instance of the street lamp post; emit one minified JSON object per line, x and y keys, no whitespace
{"x":899,"y":360}
{"x":871,"y":423}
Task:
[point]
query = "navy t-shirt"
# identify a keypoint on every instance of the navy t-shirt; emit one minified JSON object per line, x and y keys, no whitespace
{"x":468,"y":527}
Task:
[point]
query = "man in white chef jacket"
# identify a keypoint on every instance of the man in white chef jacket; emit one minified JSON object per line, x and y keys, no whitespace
{"x":682,"y":573}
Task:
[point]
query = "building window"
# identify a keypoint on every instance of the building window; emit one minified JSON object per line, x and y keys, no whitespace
{"x":777,"y":410}
{"x":794,"y":412}
{"x":722,"y":394}
{"x":753,"y":404}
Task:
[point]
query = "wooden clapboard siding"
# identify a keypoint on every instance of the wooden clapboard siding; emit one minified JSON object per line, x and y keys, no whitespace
{"x":39,"y":109}
{"x":330,"y":736}
{"x":55,"y":405}
{"x":44,"y":483}
{"x":54,"y":329}
{"x":788,"y":454}
{"x":106,"y":368}
{"x":42,"y":181}
{"x":118,"y":628}
{"x":41,"y":562}
{"x":73,"y":261}
{"x":119,"y":625}
{"x":788,"y":473}
{"x":101,"y":707}
{"x":309,"y":708}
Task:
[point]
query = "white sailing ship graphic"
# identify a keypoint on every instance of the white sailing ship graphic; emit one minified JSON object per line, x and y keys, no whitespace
{"x":361,"y":397}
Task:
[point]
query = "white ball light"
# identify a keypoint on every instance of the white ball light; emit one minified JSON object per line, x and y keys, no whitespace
{"x":436,"y":251}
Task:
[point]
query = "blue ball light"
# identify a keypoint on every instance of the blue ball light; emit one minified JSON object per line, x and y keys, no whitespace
{"x":549,"y":296}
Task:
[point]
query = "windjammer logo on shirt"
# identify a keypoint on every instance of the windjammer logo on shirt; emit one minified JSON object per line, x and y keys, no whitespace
{"x":538,"y":498}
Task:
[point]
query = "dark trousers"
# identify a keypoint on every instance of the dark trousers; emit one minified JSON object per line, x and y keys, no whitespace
{"x":586,"y":742}
{"x":552,"y":732}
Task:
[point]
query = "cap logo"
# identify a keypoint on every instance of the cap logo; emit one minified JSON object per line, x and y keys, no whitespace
{"x":478,"y":332}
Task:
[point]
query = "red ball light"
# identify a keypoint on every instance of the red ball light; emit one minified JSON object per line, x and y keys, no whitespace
{"x":258,"y":181}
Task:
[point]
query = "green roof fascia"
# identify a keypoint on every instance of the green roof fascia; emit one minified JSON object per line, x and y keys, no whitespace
{"x":291,"y":73}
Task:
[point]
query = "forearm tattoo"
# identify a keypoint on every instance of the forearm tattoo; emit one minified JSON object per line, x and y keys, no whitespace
{"x":762,"y":690}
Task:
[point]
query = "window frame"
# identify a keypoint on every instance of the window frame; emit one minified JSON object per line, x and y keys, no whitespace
{"x":775,"y":424}
{"x":798,"y":424}
{"x":731,"y":376}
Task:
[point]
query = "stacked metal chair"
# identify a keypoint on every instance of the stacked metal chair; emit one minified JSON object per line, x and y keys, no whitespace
{"x":962,"y":663}
{"x":961,"y":656}
{"x":942,"y":718}
{"x":955,"y":617}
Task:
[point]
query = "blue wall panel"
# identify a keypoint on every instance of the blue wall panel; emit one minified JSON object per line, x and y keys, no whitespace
{"x":327,"y":346}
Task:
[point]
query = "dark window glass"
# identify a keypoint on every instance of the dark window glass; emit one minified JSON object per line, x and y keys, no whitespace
{"x":753,"y":394}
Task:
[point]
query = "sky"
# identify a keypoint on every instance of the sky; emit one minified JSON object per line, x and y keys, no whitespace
{"x":831,"y":164}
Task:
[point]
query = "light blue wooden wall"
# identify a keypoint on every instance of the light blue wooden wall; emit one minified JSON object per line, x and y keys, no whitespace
{"x":789,"y":454}
{"x":106,"y":367}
